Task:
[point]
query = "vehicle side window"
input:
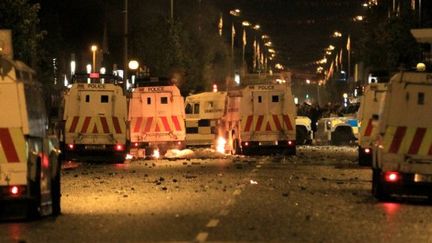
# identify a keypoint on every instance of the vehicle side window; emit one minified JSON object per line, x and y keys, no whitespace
{"x":164,"y":100}
{"x":188,"y":109}
{"x":275,"y":98}
{"x":104,"y":98}
{"x":209,"y":104}
{"x":87,"y":98}
{"x":196,"y":108}
{"x":420,"y":98}
{"x":148,"y":101}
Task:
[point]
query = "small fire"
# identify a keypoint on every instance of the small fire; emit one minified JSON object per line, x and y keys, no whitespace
{"x":220,"y":145}
{"x":156,"y":154}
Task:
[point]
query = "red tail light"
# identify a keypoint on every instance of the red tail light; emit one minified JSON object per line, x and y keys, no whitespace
{"x":290,"y":143}
{"x":246,"y":144}
{"x":119,"y":147}
{"x":135,"y":144}
{"x":367,"y":150}
{"x":71,"y":146}
{"x":14,"y":190}
{"x":392,"y":176}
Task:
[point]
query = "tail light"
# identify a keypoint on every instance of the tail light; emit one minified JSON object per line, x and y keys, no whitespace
{"x":71,"y":146}
{"x":246,"y":143}
{"x":291,"y":143}
{"x":367,"y":150}
{"x":392,"y":176}
{"x":135,"y":144}
{"x":119,"y":147}
{"x":14,"y":190}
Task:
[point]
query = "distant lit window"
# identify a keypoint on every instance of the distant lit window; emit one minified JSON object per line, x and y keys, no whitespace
{"x":87,"y":98}
{"x":164,"y":100}
{"x":275,"y":98}
{"x":420,"y":98}
{"x":260,"y":99}
{"x":104,"y":99}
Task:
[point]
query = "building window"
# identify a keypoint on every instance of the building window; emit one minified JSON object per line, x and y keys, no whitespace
{"x":87,"y":98}
{"x":148,"y":101}
{"x":260,"y":99}
{"x":275,"y":98}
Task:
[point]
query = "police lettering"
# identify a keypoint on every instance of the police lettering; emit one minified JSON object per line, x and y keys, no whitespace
{"x":266,"y":87}
{"x":155,"y":89}
{"x":96,"y":86}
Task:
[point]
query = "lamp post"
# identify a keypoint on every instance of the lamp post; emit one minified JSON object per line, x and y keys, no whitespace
{"x":133,"y":65}
{"x":94,"y":49}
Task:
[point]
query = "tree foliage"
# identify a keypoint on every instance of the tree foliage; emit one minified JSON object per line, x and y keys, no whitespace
{"x":386,"y":42}
{"x":22,"y":18}
{"x":187,"y":48}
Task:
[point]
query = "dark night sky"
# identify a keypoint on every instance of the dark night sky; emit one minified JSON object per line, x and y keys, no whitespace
{"x":299,"y":29}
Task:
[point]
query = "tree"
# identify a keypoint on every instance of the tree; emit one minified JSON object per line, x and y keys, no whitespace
{"x":187,"y":47}
{"x":386,"y":42}
{"x":22,"y":18}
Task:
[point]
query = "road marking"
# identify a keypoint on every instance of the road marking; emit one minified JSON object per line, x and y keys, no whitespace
{"x":212,"y":223}
{"x":254,"y":170}
{"x":237,"y":192}
{"x":261,"y":162}
{"x":258,"y":166}
{"x":224,"y":212}
{"x":201,"y":237}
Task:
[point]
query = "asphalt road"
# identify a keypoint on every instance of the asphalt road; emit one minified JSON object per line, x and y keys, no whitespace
{"x":321,"y":195}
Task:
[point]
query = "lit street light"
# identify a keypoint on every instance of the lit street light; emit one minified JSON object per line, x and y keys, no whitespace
{"x":94,"y":49}
{"x":235,"y":12}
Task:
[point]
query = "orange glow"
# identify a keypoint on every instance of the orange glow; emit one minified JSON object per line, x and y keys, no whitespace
{"x":220,"y":145}
{"x":156,"y":154}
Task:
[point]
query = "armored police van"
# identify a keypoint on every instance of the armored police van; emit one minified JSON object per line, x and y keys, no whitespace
{"x":29,"y":158}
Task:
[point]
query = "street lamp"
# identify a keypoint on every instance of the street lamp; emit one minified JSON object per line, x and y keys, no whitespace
{"x":235,"y":12}
{"x":94,"y":49}
{"x":133,"y":65}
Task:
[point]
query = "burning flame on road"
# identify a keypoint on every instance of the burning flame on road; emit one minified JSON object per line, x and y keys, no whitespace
{"x":156,"y":154}
{"x":220,"y":145}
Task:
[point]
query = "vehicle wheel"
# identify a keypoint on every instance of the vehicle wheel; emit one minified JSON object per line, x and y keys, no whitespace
{"x":236,"y":147}
{"x":363,"y":159}
{"x":290,"y":151}
{"x":342,"y":136}
{"x":378,"y":190}
{"x":56,"y":188}
{"x":34,"y":204}
{"x":301,"y":135}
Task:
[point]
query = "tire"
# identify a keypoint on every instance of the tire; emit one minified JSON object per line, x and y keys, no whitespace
{"x":56,"y":188}
{"x":301,"y":135}
{"x":378,"y":190}
{"x":236,"y":147}
{"x":342,"y":136}
{"x":364,"y":159}
{"x":34,"y":204}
